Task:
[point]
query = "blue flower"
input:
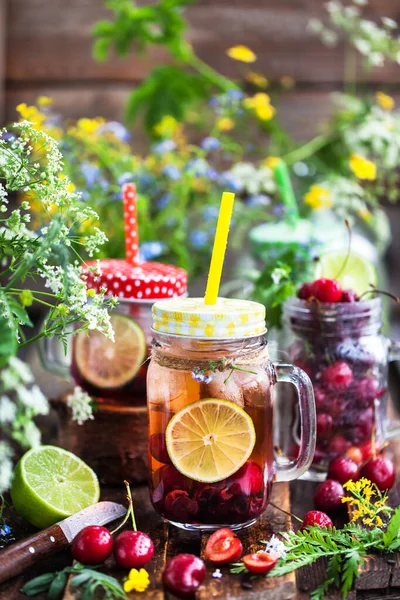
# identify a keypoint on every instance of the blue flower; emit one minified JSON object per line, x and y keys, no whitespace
{"x":172,"y":172}
{"x":212,"y":174}
{"x":8,"y":137}
{"x":164,"y":201}
{"x":117,"y":129}
{"x":202,"y":376}
{"x":210,"y":143}
{"x":164,"y":147}
{"x":103,"y":183}
{"x":85,"y":196}
{"x":125,"y":178}
{"x":259,"y":200}
{"x":227,"y":180}
{"x":213,"y":102}
{"x":197,"y":166}
{"x":5,"y":530}
{"x":210,"y":213}
{"x":149,"y":250}
{"x":90,"y":173}
{"x":278,"y":210}
{"x":198,"y":238}
{"x":235,"y":94}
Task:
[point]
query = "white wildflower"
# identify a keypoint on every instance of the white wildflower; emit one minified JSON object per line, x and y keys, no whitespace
{"x":31,"y":435}
{"x":33,"y":398}
{"x":25,"y":374}
{"x":81,"y":405}
{"x":389,"y":23}
{"x":276,"y":547}
{"x":278,"y":274}
{"x":7,"y":410}
{"x":6,"y":466}
{"x":217,"y":574}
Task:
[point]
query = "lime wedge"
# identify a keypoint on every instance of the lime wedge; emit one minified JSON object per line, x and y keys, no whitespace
{"x":210,"y":439}
{"x":50,"y":484}
{"x":353,"y":272}
{"x":108,"y":364}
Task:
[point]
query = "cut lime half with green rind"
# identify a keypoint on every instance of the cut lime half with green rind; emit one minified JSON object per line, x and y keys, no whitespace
{"x":50,"y":484}
{"x":353,"y":271}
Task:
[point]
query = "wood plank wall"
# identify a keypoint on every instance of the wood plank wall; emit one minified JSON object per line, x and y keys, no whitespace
{"x":48,"y":51}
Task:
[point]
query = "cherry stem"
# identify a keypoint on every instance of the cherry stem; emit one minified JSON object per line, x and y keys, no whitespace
{"x":346,"y":260}
{"x":129,"y":512}
{"x":374,"y":290}
{"x":373,"y":447}
{"x":286,"y":512}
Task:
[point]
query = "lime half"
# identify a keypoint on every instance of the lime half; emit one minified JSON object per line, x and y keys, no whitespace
{"x":353,"y":271}
{"x":108,"y":364}
{"x":210,"y":440}
{"x":51,"y":484}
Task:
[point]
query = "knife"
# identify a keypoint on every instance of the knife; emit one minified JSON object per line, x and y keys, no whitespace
{"x":24,"y":554}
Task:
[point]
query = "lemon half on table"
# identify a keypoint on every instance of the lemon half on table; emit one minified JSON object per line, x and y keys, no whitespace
{"x":108,"y":364}
{"x":210,"y":439}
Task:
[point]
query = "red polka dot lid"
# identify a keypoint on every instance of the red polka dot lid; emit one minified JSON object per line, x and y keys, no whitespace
{"x":145,"y":281}
{"x":131,"y":278}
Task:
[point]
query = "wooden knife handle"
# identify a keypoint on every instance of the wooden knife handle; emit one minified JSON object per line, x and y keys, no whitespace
{"x":24,"y":554}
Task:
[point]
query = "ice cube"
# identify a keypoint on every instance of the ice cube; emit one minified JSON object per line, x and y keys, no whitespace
{"x":230,"y":390}
{"x":256,"y":386}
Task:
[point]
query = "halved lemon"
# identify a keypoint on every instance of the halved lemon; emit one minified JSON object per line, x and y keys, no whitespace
{"x":210,"y":439}
{"x":108,"y":364}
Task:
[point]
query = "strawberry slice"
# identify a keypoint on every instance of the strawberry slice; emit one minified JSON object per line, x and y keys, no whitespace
{"x":223,"y":547}
{"x":260,"y":563}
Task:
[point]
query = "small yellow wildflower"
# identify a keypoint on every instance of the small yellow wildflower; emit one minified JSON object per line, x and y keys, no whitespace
{"x":318,"y":197}
{"x":271,"y":161}
{"x":257,"y":79}
{"x":32,"y":114}
{"x":225,"y":124}
{"x":89,"y":125}
{"x":242,"y":54}
{"x":261,"y":104}
{"x":362,"y":167}
{"x":44,"y":101}
{"x":90,"y":293}
{"x":386,"y":102}
{"x":138,"y":581}
{"x":166,"y":127}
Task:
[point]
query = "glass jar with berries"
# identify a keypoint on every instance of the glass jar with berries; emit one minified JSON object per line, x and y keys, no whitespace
{"x":336,"y":338}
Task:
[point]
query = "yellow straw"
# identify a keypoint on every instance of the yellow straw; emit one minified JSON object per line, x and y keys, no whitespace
{"x":218,"y":254}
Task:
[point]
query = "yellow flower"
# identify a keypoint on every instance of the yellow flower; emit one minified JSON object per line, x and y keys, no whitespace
{"x":166,"y":127}
{"x":362,"y":167}
{"x":364,"y":214}
{"x":386,"y":102}
{"x":271,"y":161}
{"x":261,"y":103}
{"x":89,"y":125}
{"x":138,"y":581}
{"x":32,"y":114}
{"x":318,"y":197}
{"x":257,"y":79}
{"x":225,"y":124}
{"x":242,"y":54}
{"x":44,"y":101}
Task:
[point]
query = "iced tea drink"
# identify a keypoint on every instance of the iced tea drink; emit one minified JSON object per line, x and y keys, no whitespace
{"x":209,"y":394}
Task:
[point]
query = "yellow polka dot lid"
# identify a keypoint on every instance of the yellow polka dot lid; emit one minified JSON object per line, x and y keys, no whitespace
{"x":191,"y":317}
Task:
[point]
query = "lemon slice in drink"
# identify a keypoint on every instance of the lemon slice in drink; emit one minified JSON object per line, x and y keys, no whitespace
{"x":353,"y":271}
{"x":108,"y":364}
{"x":210,"y":439}
{"x":50,"y":484}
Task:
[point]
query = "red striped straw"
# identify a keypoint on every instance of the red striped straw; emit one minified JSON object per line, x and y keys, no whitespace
{"x":131,"y":224}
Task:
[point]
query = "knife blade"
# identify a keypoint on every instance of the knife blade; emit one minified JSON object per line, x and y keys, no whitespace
{"x":24,"y":554}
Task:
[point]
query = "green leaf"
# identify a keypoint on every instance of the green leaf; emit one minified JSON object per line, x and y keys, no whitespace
{"x":38,"y":584}
{"x":392,"y":533}
{"x":101,"y":48}
{"x":57,"y":587}
{"x":8,"y":340}
{"x":20,"y":312}
{"x":351,"y":562}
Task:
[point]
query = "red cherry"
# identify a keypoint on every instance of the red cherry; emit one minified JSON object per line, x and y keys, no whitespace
{"x":305,"y":291}
{"x":316,"y":517}
{"x":133,"y":549}
{"x":183,"y":574}
{"x":158,"y":448}
{"x":338,"y":445}
{"x":355,"y":454}
{"x":168,"y":478}
{"x":260,"y":563}
{"x":367,"y":451}
{"x":320,"y":398}
{"x":223,"y":547}
{"x":324,"y":426}
{"x":342,"y":469}
{"x":247,"y":480}
{"x":348,"y":296}
{"x":338,"y":376}
{"x":380,"y":471}
{"x":328,"y":496}
{"x":178,"y":506}
{"x":327,"y":290}
{"x":366,"y":390}
{"x":92,"y":545}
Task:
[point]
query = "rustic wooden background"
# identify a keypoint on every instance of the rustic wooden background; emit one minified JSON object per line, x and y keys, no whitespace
{"x":46,"y":48}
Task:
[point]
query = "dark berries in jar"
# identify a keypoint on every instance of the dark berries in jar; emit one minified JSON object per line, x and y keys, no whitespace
{"x":338,"y":376}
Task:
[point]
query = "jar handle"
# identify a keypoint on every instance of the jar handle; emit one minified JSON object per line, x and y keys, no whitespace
{"x":53,"y":358}
{"x":293,"y":469}
{"x":394,"y":350}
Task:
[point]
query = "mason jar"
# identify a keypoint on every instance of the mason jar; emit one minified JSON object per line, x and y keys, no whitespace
{"x":210,"y":406}
{"x":341,"y":347}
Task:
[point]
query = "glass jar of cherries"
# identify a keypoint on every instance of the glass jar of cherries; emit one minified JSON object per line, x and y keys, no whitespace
{"x":336,"y":339}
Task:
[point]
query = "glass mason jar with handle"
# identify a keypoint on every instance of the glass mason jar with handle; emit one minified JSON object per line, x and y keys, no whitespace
{"x":209,"y":394}
{"x":342,"y":349}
